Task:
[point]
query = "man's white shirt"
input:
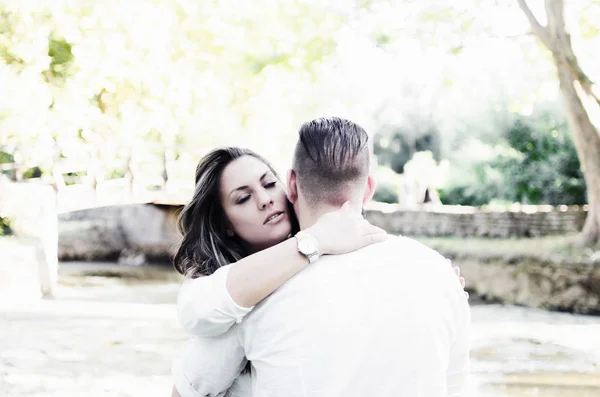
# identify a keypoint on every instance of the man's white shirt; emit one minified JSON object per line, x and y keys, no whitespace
{"x":390,"y":319}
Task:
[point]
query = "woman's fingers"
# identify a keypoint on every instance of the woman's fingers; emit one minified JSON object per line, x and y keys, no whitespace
{"x":460,"y":278}
{"x":371,"y":234}
{"x":344,"y":230}
{"x":373,"y":238}
{"x":380,"y":230}
{"x":370,"y":229}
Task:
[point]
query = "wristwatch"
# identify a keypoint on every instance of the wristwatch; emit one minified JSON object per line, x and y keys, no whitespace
{"x":308,"y":246}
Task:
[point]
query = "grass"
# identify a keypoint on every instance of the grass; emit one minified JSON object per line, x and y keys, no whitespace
{"x":542,"y":247}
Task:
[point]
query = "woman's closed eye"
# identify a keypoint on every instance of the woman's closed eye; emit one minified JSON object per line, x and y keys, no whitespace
{"x":243,"y":199}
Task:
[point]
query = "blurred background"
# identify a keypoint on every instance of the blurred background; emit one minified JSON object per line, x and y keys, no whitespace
{"x":484,"y":120}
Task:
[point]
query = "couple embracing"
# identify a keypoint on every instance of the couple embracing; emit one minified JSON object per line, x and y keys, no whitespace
{"x":293,"y":293}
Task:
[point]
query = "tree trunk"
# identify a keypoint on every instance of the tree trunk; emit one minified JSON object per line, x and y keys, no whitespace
{"x":587,"y":142}
{"x":577,"y":91}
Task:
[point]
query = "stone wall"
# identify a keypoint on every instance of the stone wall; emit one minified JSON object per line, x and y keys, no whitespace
{"x":113,"y":232}
{"x":132,"y":232}
{"x":547,"y":283}
{"x":517,"y":221}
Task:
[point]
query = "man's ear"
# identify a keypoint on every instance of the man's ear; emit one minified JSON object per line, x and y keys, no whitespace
{"x":370,"y":189}
{"x":292,"y":186}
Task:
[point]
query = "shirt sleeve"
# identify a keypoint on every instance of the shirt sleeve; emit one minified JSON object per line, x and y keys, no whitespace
{"x":208,"y":366}
{"x":205,"y":307}
{"x":459,"y":365}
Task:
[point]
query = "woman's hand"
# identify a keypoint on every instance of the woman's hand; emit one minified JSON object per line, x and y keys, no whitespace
{"x":343,"y":231}
{"x":460,"y":278}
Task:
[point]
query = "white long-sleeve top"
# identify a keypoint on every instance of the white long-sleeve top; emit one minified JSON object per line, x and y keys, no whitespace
{"x":390,"y":319}
{"x":205,"y":307}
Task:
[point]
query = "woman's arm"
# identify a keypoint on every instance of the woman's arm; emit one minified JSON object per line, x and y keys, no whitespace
{"x":208,"y":366}
{"x":209,"y":305}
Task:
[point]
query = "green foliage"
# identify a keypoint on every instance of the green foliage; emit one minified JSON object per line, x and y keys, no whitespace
{"x":75,"y":177}
{"x":5,"y":229}
{"x":474,"y":181}
{"x":114,"y":174}
{"x":6,"y":30}
{"x":61,"y":55}
{"x":547,"y":170}
{"x":388,"y":183}
{"x":395,"y":146}
{"x":33,"y":172}
{"x":6,"y":157}
{"x":535,"y":163}
{"x":93,"y":82}
{"x":386,"y":193}
{"x":111,"y":83}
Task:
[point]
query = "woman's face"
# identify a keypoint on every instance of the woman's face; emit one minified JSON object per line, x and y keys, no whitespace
{"x":255,"y":203}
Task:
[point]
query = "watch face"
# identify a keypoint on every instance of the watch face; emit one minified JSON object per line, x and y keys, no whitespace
{"x":307,"y":246}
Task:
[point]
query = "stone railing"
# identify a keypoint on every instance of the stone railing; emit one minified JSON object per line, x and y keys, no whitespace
{"x":497,"y":222}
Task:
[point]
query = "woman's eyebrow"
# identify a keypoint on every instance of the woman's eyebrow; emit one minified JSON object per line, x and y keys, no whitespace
{"x":263,"y":176}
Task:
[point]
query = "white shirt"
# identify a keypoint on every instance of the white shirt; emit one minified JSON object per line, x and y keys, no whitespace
{"x":205,"y":307}
{"x":388,"y":320}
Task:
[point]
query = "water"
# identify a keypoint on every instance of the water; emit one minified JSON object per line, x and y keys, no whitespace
{"x":527,"y":352}
{"x":124,"y":329}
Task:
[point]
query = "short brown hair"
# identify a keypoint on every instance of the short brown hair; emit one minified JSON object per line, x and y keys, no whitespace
{"x":330,"y":154}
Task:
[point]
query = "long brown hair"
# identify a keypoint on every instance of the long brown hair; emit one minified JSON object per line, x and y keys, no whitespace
{"x":205,"y":245}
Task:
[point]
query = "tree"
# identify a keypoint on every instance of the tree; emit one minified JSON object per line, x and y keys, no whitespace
{"x":580,"y":95}
{"x":115,"y":82}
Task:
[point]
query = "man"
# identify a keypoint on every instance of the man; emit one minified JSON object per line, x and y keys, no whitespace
{"x":390,"y":319}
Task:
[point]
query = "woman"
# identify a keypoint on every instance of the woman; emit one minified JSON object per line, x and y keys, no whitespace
{"x":236,"y":248}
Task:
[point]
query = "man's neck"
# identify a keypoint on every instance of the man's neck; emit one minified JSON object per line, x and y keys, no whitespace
{"x":309,"y":216}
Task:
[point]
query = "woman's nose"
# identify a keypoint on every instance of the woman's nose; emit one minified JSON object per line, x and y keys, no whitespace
{"x":265,"y":202}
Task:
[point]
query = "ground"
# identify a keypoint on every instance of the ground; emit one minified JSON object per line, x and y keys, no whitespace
{"x":116,"y":336}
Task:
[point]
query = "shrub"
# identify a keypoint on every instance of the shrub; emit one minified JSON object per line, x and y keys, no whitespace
{"x":535,"y":162}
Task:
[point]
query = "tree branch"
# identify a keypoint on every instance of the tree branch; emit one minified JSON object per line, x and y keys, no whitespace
{"x":529,"y":14}
{"x":555,"y":12}
{"x":538,"y":29}
{"x":510,"y":36}
{"x":562,"y":48}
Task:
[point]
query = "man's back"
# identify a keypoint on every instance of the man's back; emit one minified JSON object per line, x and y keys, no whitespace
{"x":388,"y":320}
